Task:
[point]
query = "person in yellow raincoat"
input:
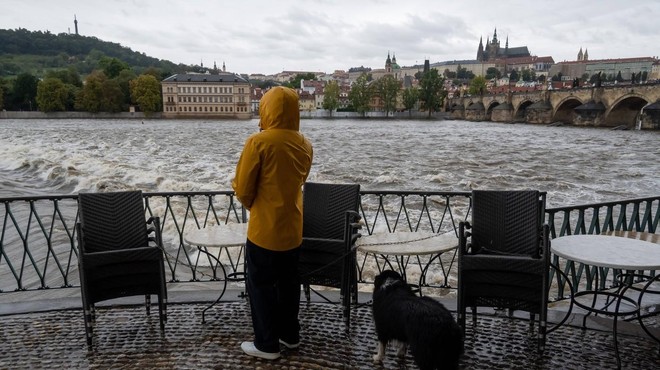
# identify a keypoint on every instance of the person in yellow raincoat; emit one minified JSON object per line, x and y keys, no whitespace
{"x":270,"y":173}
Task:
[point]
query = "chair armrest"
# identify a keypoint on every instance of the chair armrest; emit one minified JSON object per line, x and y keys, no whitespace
{"x":463,"y":235}
{"x":122,"y":256}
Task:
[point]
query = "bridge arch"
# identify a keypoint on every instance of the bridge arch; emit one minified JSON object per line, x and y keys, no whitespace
{"x":564,"y":111}
{"x":625,"y":111}
{"x":519,"y":114}
{"x":489,"y":109}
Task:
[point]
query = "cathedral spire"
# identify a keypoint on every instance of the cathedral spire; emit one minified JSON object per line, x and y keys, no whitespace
{"x":580,"y":56}
{"x":586,"y":54}
{"x":480,"y":50}
{"x":495,"y":36}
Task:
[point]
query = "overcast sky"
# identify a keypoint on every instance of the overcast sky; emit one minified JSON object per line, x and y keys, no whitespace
{"x":270,"y":36}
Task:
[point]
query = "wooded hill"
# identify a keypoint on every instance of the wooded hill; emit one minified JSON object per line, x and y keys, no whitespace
{"x":37,"y":52}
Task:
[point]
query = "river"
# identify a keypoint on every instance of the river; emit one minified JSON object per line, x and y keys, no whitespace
{"x":574,"y":165}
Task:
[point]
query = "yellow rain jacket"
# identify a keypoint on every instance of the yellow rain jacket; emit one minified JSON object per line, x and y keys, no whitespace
{"x":270,"y":173}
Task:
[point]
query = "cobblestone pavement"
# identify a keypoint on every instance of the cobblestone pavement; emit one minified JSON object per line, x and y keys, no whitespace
{"x":125,"y":338}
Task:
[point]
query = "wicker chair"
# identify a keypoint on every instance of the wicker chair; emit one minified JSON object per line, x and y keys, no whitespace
{"x":327,"y":255}
{"x":117,"y":257}
{"x":504,"y":260}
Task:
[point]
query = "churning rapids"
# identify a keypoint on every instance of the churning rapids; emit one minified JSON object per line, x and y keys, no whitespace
{"x":574,"y":165}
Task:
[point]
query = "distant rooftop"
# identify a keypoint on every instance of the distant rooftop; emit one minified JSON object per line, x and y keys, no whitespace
{"x":199,"y":77}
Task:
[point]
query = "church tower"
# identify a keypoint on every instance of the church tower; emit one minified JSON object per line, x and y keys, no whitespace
{"x":580,"y":55}
{"x":75,"y":23}
{"x":388,"y":64}
{"x":586,"y":54}
{"x":493,"y":47}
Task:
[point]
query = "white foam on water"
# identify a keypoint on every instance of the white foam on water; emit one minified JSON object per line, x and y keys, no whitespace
{"x":571,"y":164}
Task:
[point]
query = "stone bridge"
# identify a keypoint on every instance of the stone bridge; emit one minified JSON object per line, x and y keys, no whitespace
{"x":630,"y":106}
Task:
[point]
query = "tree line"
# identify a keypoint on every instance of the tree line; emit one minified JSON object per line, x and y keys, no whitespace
{"x":112,"y":87}
{"x":388,"y":94}
{"x":42,"y":71}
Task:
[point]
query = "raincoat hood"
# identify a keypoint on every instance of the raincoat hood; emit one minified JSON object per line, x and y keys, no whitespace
{"x":279,"y":109}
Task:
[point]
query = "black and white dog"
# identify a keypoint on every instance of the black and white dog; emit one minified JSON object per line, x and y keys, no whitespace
{"x":422,"y":323}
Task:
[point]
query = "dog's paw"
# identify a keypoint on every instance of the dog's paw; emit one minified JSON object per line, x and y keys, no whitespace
{"x":378,"y":358}
{"x":401,"y":351}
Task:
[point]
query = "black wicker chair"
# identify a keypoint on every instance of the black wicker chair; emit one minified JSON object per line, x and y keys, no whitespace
{"x":117,"y":256}
{"x":504,"y":259}
{"x":330,"y":229}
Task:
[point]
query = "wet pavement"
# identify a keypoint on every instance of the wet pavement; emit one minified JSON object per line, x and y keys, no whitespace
{"x":125,"y":338}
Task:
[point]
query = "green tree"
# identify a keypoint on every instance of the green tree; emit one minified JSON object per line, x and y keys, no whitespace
{"x":2,"y":97}
{"x":67,"y":76}
{"x":52,"y":95}
{"x":112,"y":66}
{"x":387,"y":88}
{"x":71,"y":93}
{"x":145,"y":92}
{"x":331,"y":96}
{"x":113,"y":97}
{"x":25,"y":92}
{"x":123,"y":79}
{"x":463,"y":74}
{"x":528,"y":75}
{"x":493,"y":72}
{"x":432,"y":91}
{"x":99,"y":94}
{"x":478,"y":85}
{"x":410,"y":98}
{"x":360,"y":94}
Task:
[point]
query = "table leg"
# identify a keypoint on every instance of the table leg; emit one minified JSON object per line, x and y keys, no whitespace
{"x":224,"y":279}
{"x":646,"y":289}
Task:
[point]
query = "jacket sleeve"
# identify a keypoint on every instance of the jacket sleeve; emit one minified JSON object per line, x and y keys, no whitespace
{"x":247,"y":173}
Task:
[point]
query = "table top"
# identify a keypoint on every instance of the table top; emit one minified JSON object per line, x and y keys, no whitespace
{"x":229,"y":235}
{"x":608,"y":251}
{"x":649,"y":237}
{"x":407,"y":243}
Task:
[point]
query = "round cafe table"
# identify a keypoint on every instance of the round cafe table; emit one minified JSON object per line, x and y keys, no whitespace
{"x":211,"y":241}
{"x":404,"y":245}
{"x":627,"y":252}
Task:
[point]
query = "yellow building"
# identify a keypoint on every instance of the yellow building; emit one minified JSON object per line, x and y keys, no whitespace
{"x":196,"y":95}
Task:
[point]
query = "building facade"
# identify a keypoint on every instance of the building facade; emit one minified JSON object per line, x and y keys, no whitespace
{"x":195,"y":95}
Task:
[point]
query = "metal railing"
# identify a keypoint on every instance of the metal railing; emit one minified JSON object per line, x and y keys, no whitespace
{"x":38,"y":242}
{"x":640,"y":215}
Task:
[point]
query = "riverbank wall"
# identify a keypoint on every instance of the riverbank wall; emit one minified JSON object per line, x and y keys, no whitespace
{"x":321,"y":113}
{"x":75,"y":115}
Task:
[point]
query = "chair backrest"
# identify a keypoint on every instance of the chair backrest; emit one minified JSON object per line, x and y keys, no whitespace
{"x":507,"y":222}
{"x":111,"y":221}
{"x":325,"y":206}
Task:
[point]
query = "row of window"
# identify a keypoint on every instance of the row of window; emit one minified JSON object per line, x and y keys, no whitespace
{"x":206,"y":99}
{"x":206,"y":109}
{"x":205,"y":90}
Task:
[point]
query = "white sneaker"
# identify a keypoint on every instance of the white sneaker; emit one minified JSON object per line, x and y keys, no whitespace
{"x":290,"y":345}
{"x":251,"y":350}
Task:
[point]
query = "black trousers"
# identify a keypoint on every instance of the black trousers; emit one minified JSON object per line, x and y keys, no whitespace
{"x":273,"y":286}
